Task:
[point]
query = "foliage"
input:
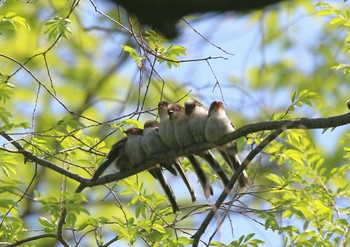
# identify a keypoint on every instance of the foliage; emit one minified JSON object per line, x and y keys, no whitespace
{"x":58,"y":26}
{"x":340,"y":19}
{"x":11,"y":21}
{"x":66,"y":101}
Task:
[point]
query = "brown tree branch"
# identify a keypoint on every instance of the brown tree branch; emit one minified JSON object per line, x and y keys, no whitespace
{"x":60,"y":225}
{"x":32,"y":157}
{"x":300,"y":123}
{"x":29,"y":239}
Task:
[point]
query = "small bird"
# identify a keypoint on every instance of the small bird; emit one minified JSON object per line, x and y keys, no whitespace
{"x":136,"y":154}
{"x":182,"y":131}
{"x":117,"y":156}
{"x":184,"y":138}
{"x":218,"y":125}
{"x":166,"y":128}
{"x":130,"y":148}
{"x":197,"y":118}
{"x":167,"y":136}
{"x":133,"y":147}
{"x":152,"y":144}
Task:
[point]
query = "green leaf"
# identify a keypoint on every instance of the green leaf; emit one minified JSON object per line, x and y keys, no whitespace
{"x":248,"y":237}
{"x":158,"y":228}
{"x":58,"y":26}
{"x":132,"y":122}
{"x":11,"y":21}
{"x":45,"y":222}
{"x":127,"y":192}
{"x":137,"y":57}
{"x":134,"y":200}
{"x":292,"y":98}
{"x":342,"y":66}
{"x":49,"y":227}
{"x":274,"y":178}
{"x":68,"y":123}
{"x":271,"y":223}
{"x":294,"y":155}
{"x":5,"y":115}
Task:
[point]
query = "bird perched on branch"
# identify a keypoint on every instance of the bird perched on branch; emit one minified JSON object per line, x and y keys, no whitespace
{"x":167,"y":135}
{"x":133,"y":146}
{"x":152,"y":144}
{"x":184,"y":138}
{"x":197,"y":118}
{"x":117,"y":156}
{"x":128,"y":153}
{"x":218,"y":125}
{"x":166,"y":127}
{"x":136,"y":154}
{"x":124,"y":154}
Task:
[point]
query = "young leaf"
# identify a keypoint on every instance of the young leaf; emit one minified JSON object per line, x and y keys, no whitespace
{"x":58,"y":26}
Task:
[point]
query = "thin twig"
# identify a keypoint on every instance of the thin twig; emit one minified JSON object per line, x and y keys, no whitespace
{"x":206,"y":39}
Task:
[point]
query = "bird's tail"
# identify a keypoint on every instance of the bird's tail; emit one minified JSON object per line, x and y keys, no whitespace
{"x":184,"y":177}
{"x":214,"y":164}
{"x":101,"y":169}
{"x":158,"y":174}
{"x":229,"y":153}
{"x":203,"y":179}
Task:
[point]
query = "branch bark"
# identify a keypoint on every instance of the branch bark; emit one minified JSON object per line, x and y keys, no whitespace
{"x":32,"y":157}
{"x":300,"y":123}
{"x":29,"y":239}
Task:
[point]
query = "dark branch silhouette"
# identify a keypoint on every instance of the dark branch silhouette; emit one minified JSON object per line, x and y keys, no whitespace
{"x":163,"y":14}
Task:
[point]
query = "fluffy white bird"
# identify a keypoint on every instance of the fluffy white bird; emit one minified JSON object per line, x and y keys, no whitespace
{"x":197,"y":118}
{"x":166,"y":128}
{"x":218,"y":125}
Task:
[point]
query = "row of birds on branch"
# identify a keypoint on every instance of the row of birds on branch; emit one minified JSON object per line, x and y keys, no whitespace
{"x":178,"y":127}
